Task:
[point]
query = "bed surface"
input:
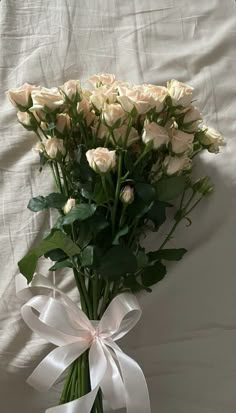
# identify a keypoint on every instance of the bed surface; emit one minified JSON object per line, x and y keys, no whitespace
{"x":186,"y":339}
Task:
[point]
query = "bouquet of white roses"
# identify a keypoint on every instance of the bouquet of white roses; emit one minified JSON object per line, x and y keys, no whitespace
{"x":121,"y":155}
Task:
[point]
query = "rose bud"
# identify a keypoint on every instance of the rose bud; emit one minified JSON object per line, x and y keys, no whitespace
{"x":127,"y":195}
{"x":68,"y":205}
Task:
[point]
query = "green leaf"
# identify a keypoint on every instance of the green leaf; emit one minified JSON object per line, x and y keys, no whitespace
{"x":78,"y":213}
{"x":56,"y":200}
{"x":37,"y":203}
{"x":55,"y":255}
{"x":61,"y":264}
{"x":58,"y":240}
{"x":142,"y":259}
{"x":99,"y":195}
{"x":118,"y":261}
{"x":87,"y":256}
{"x":138,"y":208}
{"x":157,"y":213}
{"x":120,"y":233}
{"x":131,"y":283}
{"x":146,"y":192}
{"x":170,"y":188}
{"x":153,"y":274}
{"x":167,"y":254}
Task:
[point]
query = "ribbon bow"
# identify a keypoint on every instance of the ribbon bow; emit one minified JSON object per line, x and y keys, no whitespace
{"x":62,"y":323}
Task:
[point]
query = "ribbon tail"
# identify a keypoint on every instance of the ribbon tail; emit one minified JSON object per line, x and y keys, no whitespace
{"x":136,"y":391}
{"x":53,"y":365}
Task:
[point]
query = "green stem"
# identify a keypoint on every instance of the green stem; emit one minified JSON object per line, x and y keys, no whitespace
{"x":117,"y":193}
{"x":38,"y":123}
{"x":65,"y":181}
{"x":105,"y":191}
{"x":58,"y":176}
{"x":63,"y":398}
{"x":170,"y":233}
{"x":194,"y":205}
{"x":105,"y":298}
{"x":54,"y":176}
{"x":95,"y":296}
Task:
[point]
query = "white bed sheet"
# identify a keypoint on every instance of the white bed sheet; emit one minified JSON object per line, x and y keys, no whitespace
{"x":186,"y":339}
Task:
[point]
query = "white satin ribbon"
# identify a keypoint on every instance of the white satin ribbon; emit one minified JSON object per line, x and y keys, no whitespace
{"x":58,"y":320}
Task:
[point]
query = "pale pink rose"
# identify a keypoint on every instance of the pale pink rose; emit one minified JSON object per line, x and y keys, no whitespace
{"x":39,"y":147}
{"x":102,"y":78}
{"x":213,"y":139}
{"x":101,"y":160}
{"x":136,"y":96}
{"x":112,"y":112}
{"x":90,"y":117}
{"x":53,"y":146}
{"x":156,"y":95}
{"x":101,"y":132}
{"x":120,"y":134}
{"x":154,"y":133}
{"x":71,"y":88}
{"x":83,"y":106}
{"x":50,"y":98}
{"x":126,"y":103}
{"x":175,"y":165}
{"x":192,"y":119}
{"x":181,"y":142}
{"x":180,"y":93}
{"x":70,"y":203}
{"x":24,"y":118}
{"x":62,"y":122}
{"x":21,"y":95}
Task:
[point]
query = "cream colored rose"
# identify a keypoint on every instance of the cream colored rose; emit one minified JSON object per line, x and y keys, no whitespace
{"x":21,"y":95}
{"x":102,"y":78}
{"x":156,"y":95}
{"x":69,"y":205}
{"x":101,"y":160}
{"x":120,"y":135}
{"x":180,"y":93}
{"x":192,"y":118}
{"x":50,"y":98}
{"x":135,"y":96}
{"x":112,"y":112}
{"x":181,"y":142}
{"x":39,"y":147}
{"x":154,"y":133}
{"x":71,"y":88}
{"x":174,"y":164}
{"x":62,"y":122}
{"x":100,"y":132}
{"x":83,"y":106}
{"x":213,"y":139}
{"x":127,"y":195}
{"x":53,"y":146}
{"x":24,"y":118}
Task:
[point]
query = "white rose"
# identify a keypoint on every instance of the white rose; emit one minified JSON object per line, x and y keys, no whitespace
{"x":97,"y":98}
{"x":120,"y":134}
{"x":104,"y":78}
{"x":24,"y":118}
{"x":112,"y":112}
{"x":101,"y":159}
{"x":39,"y":147}
{"x":213,"y":139}
{"x":192,"y":118}
{"x":175,"y":164}
{"x":126,"y":103}
{"x":21,"y":95}
{"x":101,"y":132}
{"x":127,"y":195}
{"x":53,"y":146}
{"x":180,"y":93}
{"x":157,"y":95}
{"x":83,"y":106}
{"x":50,"y":98}
{"x":62,"y":122}
{"x":134,"y":96}
{"x":69,"y":205}
{"x":71,"y":88}
{"x":154,"y":133}
{"x":181,"y":142}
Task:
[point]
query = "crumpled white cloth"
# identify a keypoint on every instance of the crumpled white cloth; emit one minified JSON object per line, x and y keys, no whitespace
{"x":189,"y":357}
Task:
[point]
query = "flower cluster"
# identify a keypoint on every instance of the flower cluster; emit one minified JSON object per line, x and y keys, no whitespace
{"x":119,"y":153}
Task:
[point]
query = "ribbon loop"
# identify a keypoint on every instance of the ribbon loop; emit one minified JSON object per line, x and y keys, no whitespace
{"x":62,"y":323}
